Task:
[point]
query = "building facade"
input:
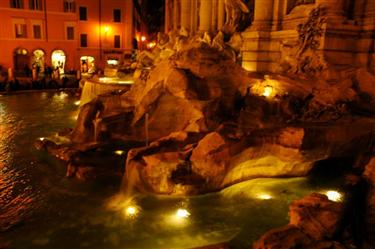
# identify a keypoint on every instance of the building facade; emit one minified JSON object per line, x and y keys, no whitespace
{"x":66,"y":34}
{"x":347,"y":37}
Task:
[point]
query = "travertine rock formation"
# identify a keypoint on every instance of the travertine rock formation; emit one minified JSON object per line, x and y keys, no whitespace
{"x":313,"y":220}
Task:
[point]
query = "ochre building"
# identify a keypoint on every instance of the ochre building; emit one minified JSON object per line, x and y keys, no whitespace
{"x":66,"y":34}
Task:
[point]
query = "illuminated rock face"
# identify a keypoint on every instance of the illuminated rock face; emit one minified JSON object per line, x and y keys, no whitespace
{"x":313,"y":221}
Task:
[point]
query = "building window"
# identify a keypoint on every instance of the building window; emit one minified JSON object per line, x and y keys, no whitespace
{"x":70,"y":33}
{"x":37,"y":30}
{"x":20,"y":30}
{"x":117,"y":41}
{"x":82,"y":13}
{"x":18,"y":4}
{"x":117,"y":15}
{"x":83,"y":40}
{"x":35,"y":4}
{"x":69,"y":6}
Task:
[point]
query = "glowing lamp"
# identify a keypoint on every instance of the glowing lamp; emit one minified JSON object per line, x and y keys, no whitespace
{"x":77,"y":102}
{"x":264,"y":196}
{"x":41,"y":138}
{"x":182,"y":213}
{"x":119,"y":152}
{"x":267,"y":91}
{"x":143,"y":38}
{"x":131,"y":211}
{"x":334,"y":195}
{"x":106,"y":29}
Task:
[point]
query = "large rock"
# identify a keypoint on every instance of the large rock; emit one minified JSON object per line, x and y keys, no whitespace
{"x":286,"y":237}
{"x":313,"y":220}
{"x":210,"y":158}
{"x":267,"y":160}
{"x":316,"y":216}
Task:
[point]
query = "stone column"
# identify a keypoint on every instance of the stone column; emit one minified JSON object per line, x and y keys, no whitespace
{"x":334,"y":7}
{"x":205,"y":15}
{"x":214,"y":15}
{"x":220,"y":14}
{"x":185,"y":13}
{"x":167,"y":16}
{"x":175,"y":15}
{"x":263,"y":12}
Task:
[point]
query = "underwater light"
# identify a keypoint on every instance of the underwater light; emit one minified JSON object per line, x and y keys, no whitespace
{"x":182,"y":213}
{"x":333,"y":195}
{"x":119,"y":152}
{"x":264,"y":196}
{"x":131,"y":211}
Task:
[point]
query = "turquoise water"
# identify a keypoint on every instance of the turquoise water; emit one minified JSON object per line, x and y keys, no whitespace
{"x":40,"y":208}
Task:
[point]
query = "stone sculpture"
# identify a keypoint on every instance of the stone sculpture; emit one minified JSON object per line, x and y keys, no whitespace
{"x":304,"y":57}
{"x":234,"y":10}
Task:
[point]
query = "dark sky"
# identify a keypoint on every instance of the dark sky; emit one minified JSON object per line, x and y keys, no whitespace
{"x":153,"y":14}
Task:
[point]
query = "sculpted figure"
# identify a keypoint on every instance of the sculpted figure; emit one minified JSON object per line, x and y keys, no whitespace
{"x":218,"y":41}
{"x":234,"y":9}
{"x":206,"y":38}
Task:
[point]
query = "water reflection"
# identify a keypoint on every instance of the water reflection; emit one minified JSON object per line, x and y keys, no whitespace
{"x":22,"y":119}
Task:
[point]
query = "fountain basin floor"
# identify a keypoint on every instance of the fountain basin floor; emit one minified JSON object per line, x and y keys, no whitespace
{"x":50,"y":211}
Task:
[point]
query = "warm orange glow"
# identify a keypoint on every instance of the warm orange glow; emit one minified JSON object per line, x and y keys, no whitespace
{"x":151,"y":45}
{"x":143,"y":38}
{"x":106,"y":29}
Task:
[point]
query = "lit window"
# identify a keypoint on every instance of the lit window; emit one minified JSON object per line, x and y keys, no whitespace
{"x":83,"y":40}
{"x":70,"y":33}
{"x":20,"y":30}
{"x":82,"y":13}
{"x":69,"y":6}
{"x":35,"y":4}
{"x":18,"y":4}
{"x":117,"y":15}
{"x":117,"y":43}
{"x":37,"y":30}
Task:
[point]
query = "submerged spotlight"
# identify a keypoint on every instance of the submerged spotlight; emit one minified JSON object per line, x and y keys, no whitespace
{"x":334,"y":195}
{"x":182,"y":213}
{"x":119,"y":152}
{"x":264,"y":196}
{"x":131,"y":211}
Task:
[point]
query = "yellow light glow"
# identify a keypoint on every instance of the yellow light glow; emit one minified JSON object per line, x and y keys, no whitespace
{"x":106,"y":29}
{"x":131,"y":211}
{"x":150,"y":45}
{"x":182,"y":213}
{"x":143,"y":38}
{"x":77,"y":102}
{"x":267,"y":91}
{"x":264,"y":196}
{"x":41,"y":138}
{"x":334,"y":195}
{"x":119,"y":152}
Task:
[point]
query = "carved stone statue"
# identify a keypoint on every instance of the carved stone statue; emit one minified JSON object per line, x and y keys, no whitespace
{"x":234,"y":10}
{"x":303,"y":57}
{"x":218,"y":41}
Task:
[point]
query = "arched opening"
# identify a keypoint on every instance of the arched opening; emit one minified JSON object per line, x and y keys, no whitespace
{"x":58,"y":60}
{"x":87,"y":64}
{"x":21,"y":61}
{"x":37,"y":60}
